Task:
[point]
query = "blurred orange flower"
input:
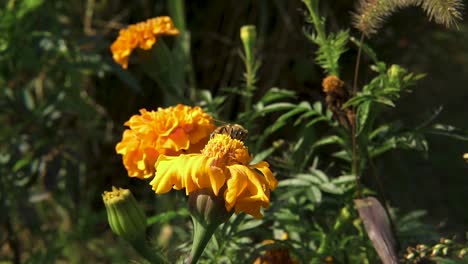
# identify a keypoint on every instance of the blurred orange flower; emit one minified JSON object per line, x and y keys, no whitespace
{"x":143,"y":35}
{"x":275,"y":255}
{"x":222,"y":166}
{"x":170,"y":131}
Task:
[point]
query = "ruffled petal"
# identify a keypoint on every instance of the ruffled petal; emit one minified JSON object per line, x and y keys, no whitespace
{"x":177,"y":140}
{"x":263,"y":167}
{"x":169,"y":174}
{"x":246,"y":190}
{"x":191,"y":171}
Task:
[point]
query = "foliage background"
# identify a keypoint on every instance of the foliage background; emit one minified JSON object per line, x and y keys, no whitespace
{"x":64,"y":101}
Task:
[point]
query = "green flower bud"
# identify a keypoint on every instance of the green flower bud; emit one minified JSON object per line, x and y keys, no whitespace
{"x":208,"y":212}
{"x":248,"y":35}
{"x":125,"y":216}
{"x":208,"y":208}
{"x":395,"y":72}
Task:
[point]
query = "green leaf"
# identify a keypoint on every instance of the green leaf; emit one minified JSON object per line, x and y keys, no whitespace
{"x":294,"y":182}
{"x":331,"y":188}
{"x":449,"y":131}
{"x":282,"y":120}
{"x":274,"y":94}
{"x":262,"y":110}
{"x":263,"y":155}
{"x":314,"y":194}
{"x":366,"y":49}
{"x":344,"y":179}
{"x":310,"y":178}
{"x":328,"y":140}
{"x":362,"y":115}
{"x":344,"y":155}
{"x":126,"y":77}
{"x":22,"y":163}
{"x":384,"y":100}
{"x":167,"y":216}
{"x":27,"y":6}
{"x":316,"y":120}
{"x":359,"y":98}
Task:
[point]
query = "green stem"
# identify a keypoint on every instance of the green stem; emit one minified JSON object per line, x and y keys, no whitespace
{"x":202,"y":235}
{"x":141,"y":246}
{"x":312,"y":7}
{"x":177,"y":12}
{"x":250,"y":86}
{"x":182,"y":47}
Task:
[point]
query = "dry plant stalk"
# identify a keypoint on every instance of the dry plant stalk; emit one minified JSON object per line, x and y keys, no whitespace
{"x":371,"y":14}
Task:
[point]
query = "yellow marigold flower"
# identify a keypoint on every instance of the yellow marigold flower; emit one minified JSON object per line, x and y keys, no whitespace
{"x":142,"y":35}
{"x":223,"y":167}
{"x":169,"y":131}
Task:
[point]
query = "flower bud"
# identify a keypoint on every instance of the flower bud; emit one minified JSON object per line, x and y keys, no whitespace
{"x":208,"y":212}
{"x":248,"y":35}
{"x":208,"y":208}
{"x":125,"y":216}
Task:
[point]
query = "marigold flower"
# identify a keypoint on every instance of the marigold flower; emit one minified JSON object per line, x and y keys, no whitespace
{"x":224,"y":162}
{"x":278,"y":255}
{"x":142,"y":35}
{"x":169,"y":131}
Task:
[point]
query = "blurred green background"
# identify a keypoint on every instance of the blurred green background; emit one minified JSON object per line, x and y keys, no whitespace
{"x":63,"y":103}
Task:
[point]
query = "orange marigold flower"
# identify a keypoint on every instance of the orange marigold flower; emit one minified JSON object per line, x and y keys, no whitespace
{"x":275,"y":255}
{"x":169,"y":131}
{"x":142,"y":35}
{"x":223,"y":167}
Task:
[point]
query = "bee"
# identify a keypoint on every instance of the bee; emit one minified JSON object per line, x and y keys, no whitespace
{"x":234,"y":131}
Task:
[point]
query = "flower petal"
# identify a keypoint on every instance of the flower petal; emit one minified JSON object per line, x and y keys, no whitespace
{"x":191,"y":171}
{"x":247,"y":190}
{"x":263,"y":167}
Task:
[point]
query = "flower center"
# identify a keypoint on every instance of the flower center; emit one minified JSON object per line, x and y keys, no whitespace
{"x":226,"y":150}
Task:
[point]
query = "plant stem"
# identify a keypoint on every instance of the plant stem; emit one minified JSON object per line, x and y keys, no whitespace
{"x":142,"y":247}
{"x":202,"y":235}
{"x":354,"y":169}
